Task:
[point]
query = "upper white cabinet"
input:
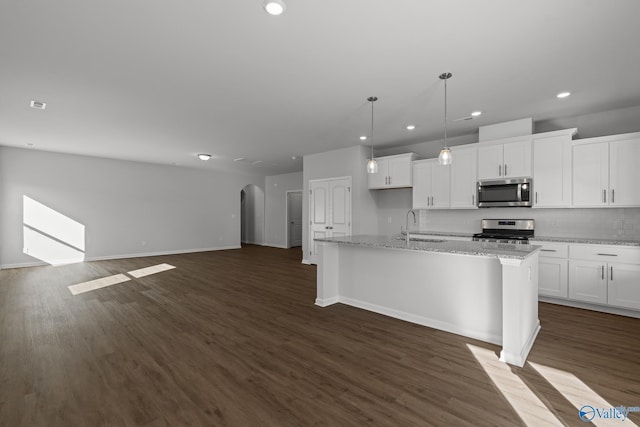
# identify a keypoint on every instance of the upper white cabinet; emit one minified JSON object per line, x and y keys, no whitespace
{"x":393,"y":172}
{"x":606,"y":172}
{"x":431,"y":184}
{"x":552,"y":169}
{"x":508,"y":158}
{"x":464,"y":175}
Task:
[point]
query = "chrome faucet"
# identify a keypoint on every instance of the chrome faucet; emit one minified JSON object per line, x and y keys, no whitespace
{"x":407,"y":224}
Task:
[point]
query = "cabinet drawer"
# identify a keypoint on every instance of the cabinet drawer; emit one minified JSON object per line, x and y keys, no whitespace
{"x":605,"y":253}
{"x":552,"y":249}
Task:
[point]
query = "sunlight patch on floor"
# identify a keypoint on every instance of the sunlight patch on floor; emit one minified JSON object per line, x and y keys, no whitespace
{"x":527,"y":405}
{"x":150,"y":270}
{"x":578,"y":393}
{"x":92,"y":285}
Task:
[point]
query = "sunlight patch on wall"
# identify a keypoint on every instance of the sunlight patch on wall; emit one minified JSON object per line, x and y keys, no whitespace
{"x":51,"y":236}
{"x":150,"y":270}
{"x":527,"y":405}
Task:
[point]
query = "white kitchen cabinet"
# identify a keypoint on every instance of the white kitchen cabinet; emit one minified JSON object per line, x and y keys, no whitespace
{"x":393,"y":172}
{"x":431,"y":185}
{"x":624,"y":285}
{"x":552,"y":169}
{"x":605,"y":171}
{"x":464,"y":176}
{"x":605,"y":274}
{"x":510,"y":159}
{"x":553,"y":277}
{"x":587,"y":281}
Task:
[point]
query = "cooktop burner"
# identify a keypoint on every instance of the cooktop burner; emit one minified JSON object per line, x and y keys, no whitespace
{"x":514,"y":231}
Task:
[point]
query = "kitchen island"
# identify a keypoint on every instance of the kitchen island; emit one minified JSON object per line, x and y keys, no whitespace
{"x":482,"y":290}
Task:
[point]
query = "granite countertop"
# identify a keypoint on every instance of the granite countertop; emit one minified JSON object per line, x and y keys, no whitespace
{"x":483,"y":249}
{"x":585,"y":240}
{"x":441,"y":233}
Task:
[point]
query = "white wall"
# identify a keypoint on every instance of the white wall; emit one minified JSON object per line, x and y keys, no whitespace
{"x":127,"y":208}
{"x":349,"y":161}
{"x":393,"y":205}
{"x":275,"y":200}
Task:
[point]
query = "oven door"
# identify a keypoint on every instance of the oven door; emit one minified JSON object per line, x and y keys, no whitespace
{"x":505,"y":193}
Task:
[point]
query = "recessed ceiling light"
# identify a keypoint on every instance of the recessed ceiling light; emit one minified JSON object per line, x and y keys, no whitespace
{"x":239,"y":159}
{"x":38,"y":104}
{"x":476,"y":113}
{"x":275,"y":7}
{"x":257,"y":162}
{"x":204,"y":156}
{"x":362,"y":138}
{"x":411,"y":127}
{"x":563,"y":94}
{"x":294,"y":157}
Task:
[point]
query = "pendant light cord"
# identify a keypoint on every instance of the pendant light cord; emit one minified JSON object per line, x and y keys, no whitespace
{"x":445,"y":113}
{"x":372,"y":99}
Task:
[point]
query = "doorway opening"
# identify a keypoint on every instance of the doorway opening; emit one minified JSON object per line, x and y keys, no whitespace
{"x":294,"y":219}
{"x":252,"y":215}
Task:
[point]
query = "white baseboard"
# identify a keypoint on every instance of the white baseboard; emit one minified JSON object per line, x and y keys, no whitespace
{"x":519,"y":359}
{"x":274,"y":246}
{"x":134,"y":255}
{"x":589,"y":306}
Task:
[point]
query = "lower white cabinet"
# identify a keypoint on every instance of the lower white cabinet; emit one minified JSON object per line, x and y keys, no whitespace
{"x":624,"y":285}
{"x":587,"y":281}
{"x":552,"y":270}
{"x":605,"y":275}
{"x":597,"y":274}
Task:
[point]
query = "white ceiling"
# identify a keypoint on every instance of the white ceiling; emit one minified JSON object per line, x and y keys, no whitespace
{"x":161,"y":81}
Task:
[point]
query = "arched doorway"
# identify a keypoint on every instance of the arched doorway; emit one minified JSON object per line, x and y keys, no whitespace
{"x":252,"y":215}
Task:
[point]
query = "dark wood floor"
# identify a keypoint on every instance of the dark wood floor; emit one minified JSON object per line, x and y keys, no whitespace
{"x":233,"y":338}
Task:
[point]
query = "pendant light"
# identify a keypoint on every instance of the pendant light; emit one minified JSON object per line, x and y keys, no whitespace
{"x":372,"y":165}
{"x":445,"y":154}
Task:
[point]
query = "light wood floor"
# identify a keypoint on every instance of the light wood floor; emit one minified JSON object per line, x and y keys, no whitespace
{"x":233,"y":338}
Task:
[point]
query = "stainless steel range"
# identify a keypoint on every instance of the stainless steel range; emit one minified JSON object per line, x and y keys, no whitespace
{"x":514,"y":231}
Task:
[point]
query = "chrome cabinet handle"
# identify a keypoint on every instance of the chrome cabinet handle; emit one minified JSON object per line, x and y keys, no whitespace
{"x":613,"y":195}
{"x":607,"y":254}
{"x":389,"y":180}
{"x":604,"y":192}
{"x":602,"y":272}
{"x":536,"y":197}
{"x":499,"y":170}
{"x":548,"y":250}
{"x":473,"y":200}
{"x":611,"y":269}
{"x":505,"y":169}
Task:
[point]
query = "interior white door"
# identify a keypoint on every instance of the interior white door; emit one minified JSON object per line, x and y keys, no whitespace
{"x":329,"y":211}
{"x":294,"y":208}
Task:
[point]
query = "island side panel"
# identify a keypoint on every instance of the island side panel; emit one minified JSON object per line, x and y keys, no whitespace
{"x":456,"y":293}
{"x":327,"y":276}
{"x":520,"y":314}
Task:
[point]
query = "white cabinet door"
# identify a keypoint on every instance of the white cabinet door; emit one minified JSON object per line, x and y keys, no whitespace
{"x":590,"y":174}
{"x":588,"y":281}
{"x":399,"y":172}
{"x":624,"y":172}
{"x":379,"y":179}
{"x":490,"y":162}
{"x":624,"y":285}
{"x":421,"y":185}
{"x":552,"y":277}
{"x":464,"y":176}
{"x":440,"y":186}
{"x":517,"y":159}
{"x":552,"y":172}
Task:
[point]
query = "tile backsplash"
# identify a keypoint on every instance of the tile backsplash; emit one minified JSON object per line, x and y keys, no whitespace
{"x":605,"y":223}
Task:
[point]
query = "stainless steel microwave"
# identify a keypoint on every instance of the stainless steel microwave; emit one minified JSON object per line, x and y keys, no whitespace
{"x":505,"y":193}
